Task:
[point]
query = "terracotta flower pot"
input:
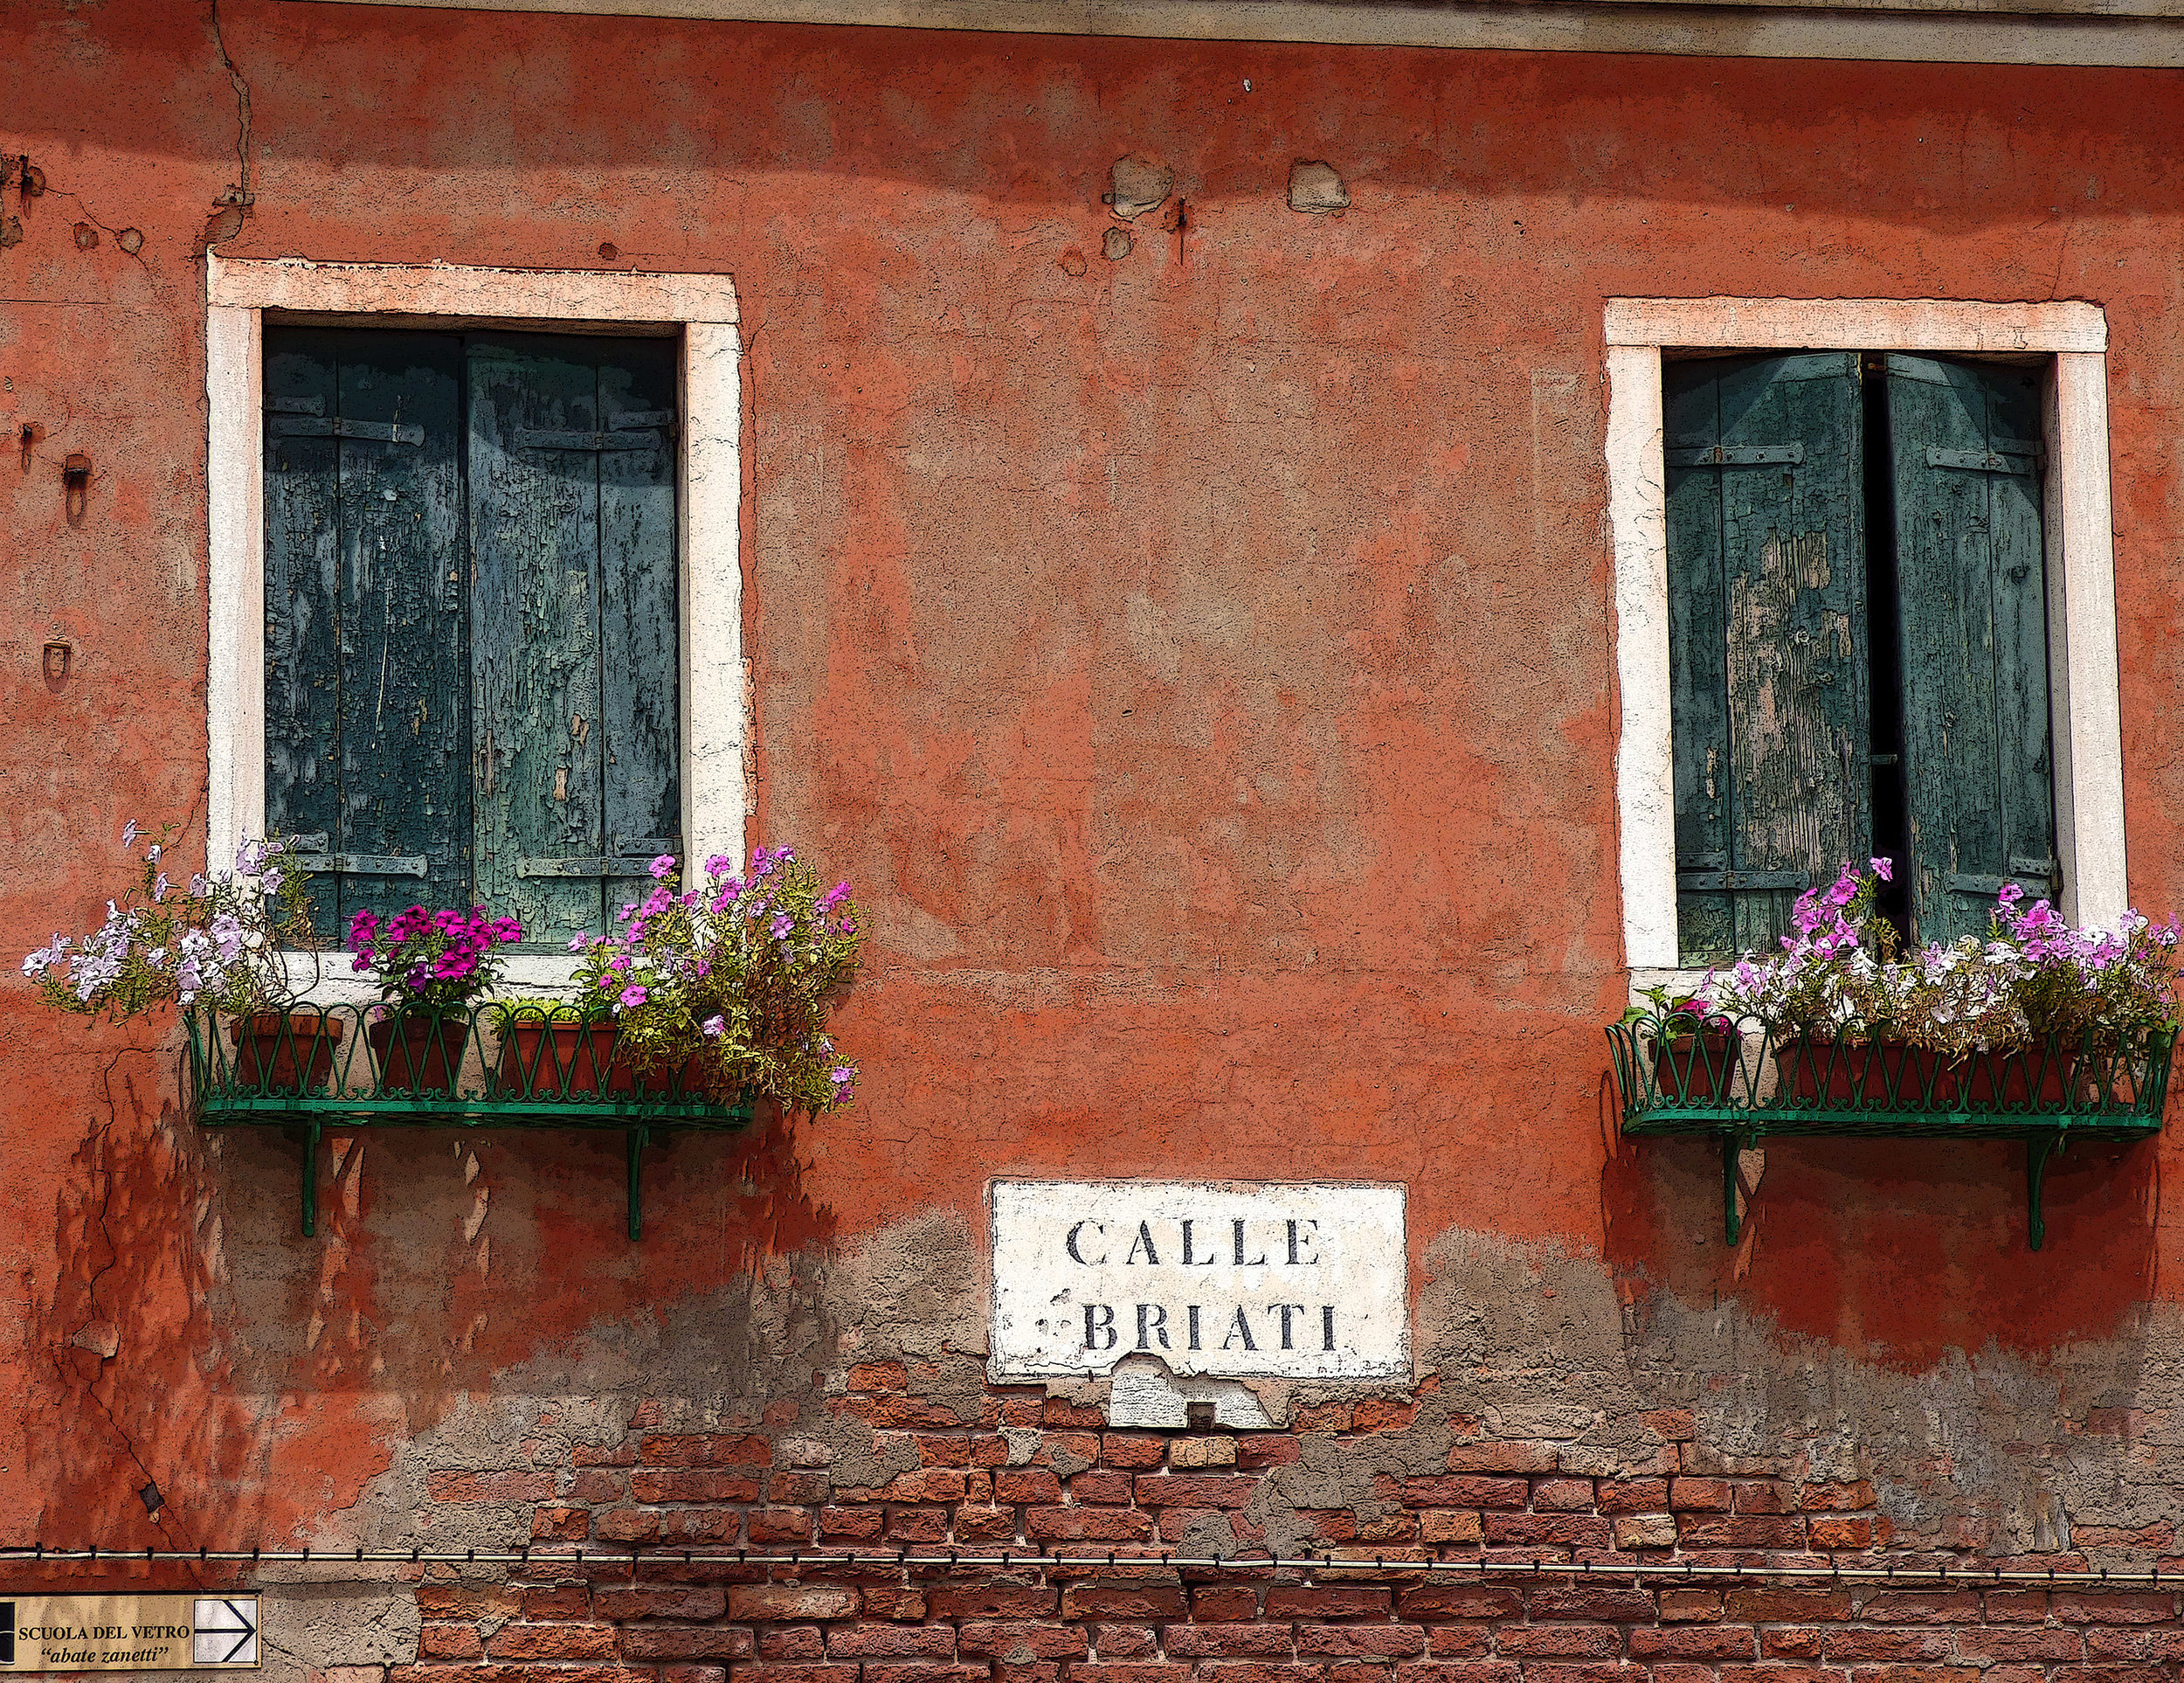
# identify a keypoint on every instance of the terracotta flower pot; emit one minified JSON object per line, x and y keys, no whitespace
{"x":1867,"y":1074}
{"x":2039,"y":1076}
{"x":1691,"y":1067}
{"x":555,"y":1060}
{"x":285,"y":1051}
{"x":419,"y":1051}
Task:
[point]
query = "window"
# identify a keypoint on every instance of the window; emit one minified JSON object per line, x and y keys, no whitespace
{"x":1857,"y":614}
{"x":2062,"y":348}
{"x":682,"y":327}
{"x":470,"y":616}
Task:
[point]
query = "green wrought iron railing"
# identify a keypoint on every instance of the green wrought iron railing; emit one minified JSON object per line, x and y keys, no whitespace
{"x":339,"y":1066}
{"x":1743,"y":1085}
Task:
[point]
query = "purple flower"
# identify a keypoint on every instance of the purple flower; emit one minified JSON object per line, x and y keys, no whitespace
{"x":1883,"y":868}
{"x":719,"y":865}
{"x":714,"y":1027}
{"x":2011,"y":894}
{"x":662,"y":865}
{"x":633,"y":996}
{"x":129,"y":832}
{"x":782,"y":926}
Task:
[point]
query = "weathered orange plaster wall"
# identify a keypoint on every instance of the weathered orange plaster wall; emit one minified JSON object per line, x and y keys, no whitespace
{"x":1200,"y":663}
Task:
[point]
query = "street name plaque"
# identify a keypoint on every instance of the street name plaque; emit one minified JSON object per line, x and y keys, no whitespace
{"x":128,"y":1633}
{"x":1217,"y":1279}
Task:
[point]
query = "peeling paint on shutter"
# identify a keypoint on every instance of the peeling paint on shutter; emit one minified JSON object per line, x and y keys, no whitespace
{"x":1972,"y":582}
{"x":366,"y":698}
{"x":1767,"y":639}
{"x":573,"y":619}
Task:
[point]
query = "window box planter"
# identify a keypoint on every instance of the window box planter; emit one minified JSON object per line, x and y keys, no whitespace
{"x":447,"y":1070}
{"x":565,"y":1059}
{"x":1752,"y":1087}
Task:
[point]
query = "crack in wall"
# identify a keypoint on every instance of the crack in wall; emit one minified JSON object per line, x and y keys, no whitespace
{"x":235,"y":203}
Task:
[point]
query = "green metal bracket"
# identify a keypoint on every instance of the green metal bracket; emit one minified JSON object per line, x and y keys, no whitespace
{"x":1741,"y":1088}
{"x":463,"y":1071}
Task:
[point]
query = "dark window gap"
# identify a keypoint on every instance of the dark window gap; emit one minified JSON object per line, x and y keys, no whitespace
{"x":1891,"y":828}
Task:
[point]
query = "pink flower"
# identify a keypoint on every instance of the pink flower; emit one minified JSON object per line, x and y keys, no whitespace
{"x":633,"y":996}
{"x":662,"y":865}
{"x":1883,"y":868}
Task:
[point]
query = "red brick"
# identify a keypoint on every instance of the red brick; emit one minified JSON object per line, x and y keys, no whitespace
{"x":1105,"y":1485}
{"x":1255,"y":1451}
{"x":1559,"y":1641}
{"x":1827,"y":1533}
{"x":610,"y":1455}
{"x":2166,"y":1646}
{"x":925,"y":1525}
{"x":1136,"y":1451}
{"x":1059,"y":1413}
{"x":1563,"y":1495}
{"x":1459,"y":1641}
{"x":1694,"y":1642}
{"x":1915,"y":1607}
{"x":1778,"y":1674}
{"x":1589,"y":1601}
{"x":449,"y":1642}
{"x":987,"y":1601}
{"x":1146,"y":1673}
{"x":878,"y":1376}
{"x":1555,"y":1530}
{"x":2016,"y":1607}
{"x":2111,"y":1674}
{"x":1122,"y":1600}
{"x":2037,"y":1645}
{"x":697,"y":1642}
{"x":1434,"y":1670}
{"x":985,"y":1525}
{"x":1834,"y":1499}
{"x":1324,"y":1602}
{"x":1382,"y":1414}
{"x":851,"y":1524}
{"x":1026,"y":1485}
{"x":1690,"y":1606}
{"x":1192,"y":1490}
{"x":1676,"y":1424}
{"x":597,"y":1485}
{"x":625,"y":1525}
{"x":943,"y":1450}
{"x":1022,"y":1642}
{"x":787,"y":1602}
{"x":2072,"y":1607}
{"x":1760,"y":1496}
{"x":891,"y":1642}
{"x":893,"y":1600}
{"x":693,"y":1674}
{"x":555,"y":1642}
{"x":791,"y":1674}
{"x":1467,"y":1493}
{"x":560,"y":1525}
{"x":1633,"y":1495}
{"x":1773,"y":1605}
{"x":707,"y":1450}
{"x":794,"y":1488}
{"x":792,"y":1642}
{"x":1792,"y":1642}
{"x":1088,"y":1524}
{"x":691,"y":1485}
{"x":1326,"y":1417}
{"x":678,"y":1602}
{"x":1453,"y":1601}
{"x":1913,"y":1674}
{"x":781,"y":1525}
{"x":1742,"y":1531}
{"x":1376,"y":1641}
{"x":1699,"y":1495}
{"x":1891,"y":1647}
{"x":1233,"y":1641}
{"x":475,"y":1672}
{"x":1598,"y":1670}
{"x":1450,"y":1525}
{"x":1227,"y":1601}
{"x":509,"y":1485}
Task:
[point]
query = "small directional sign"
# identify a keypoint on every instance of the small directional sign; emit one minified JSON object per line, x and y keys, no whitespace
{"x":128,"y":1633}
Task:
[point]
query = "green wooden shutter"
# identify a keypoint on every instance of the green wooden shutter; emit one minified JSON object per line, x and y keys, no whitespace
{"x":1767,"y":639}
{"x":366,"y":695}
{"x":1972,"y":586}
{"x":573,"y":620}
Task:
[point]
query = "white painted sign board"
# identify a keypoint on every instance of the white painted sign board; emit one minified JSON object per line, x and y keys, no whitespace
{"x":1227,"y":1279}
{"x":127,"y":1633}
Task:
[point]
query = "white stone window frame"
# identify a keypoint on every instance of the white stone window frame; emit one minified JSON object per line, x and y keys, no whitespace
{"x":243,"y":297}
{"x":2084,"y":708}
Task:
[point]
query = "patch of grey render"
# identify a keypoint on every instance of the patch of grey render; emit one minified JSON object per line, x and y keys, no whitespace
{"x":1315,"y":189}
{"x":1137,"y":185}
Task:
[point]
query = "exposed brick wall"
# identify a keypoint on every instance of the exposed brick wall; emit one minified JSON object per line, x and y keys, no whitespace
{"x":1047,"y":1476}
